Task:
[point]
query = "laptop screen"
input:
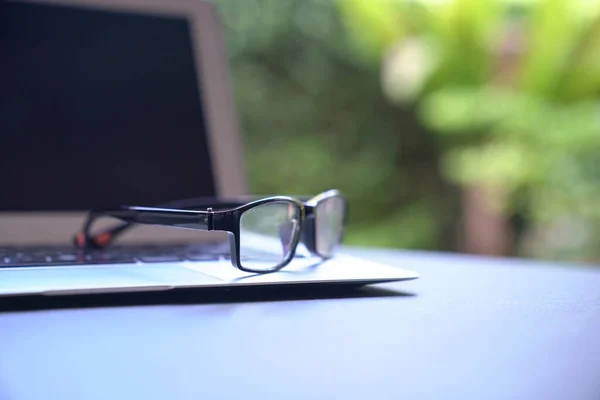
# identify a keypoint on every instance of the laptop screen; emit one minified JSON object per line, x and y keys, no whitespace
{"x":98,"y":109}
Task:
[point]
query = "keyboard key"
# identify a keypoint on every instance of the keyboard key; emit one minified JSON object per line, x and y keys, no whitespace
{"x":159,"y":258}
{"x":6,"y":250}
{"x":29,"y":258}
{"x":202,"y":257}
{"x":65,"y":257}
{"x":108,"y":258}
{"x":22,"y":260}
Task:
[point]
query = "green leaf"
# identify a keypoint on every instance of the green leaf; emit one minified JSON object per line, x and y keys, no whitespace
{"x":373,"y":26}
{"x":554,"y":30}
{"x":464,"y":110}
{"x":503,"y":165}
{"x":466,"y":32}
{"x":583,"y":79}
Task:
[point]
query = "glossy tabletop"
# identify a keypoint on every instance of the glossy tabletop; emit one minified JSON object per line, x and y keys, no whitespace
{"x":469,"y":328}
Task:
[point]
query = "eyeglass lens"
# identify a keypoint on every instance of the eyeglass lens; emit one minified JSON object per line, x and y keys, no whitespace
{"x":267,"y":234}
{"x":329,"y":225}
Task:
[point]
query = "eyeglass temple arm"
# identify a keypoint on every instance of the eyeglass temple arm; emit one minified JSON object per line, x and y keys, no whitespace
{"x":188,"y":219}
{"x":106,"y":237}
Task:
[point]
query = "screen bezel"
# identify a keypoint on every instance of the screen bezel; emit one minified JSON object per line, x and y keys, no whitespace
{"x":222,"y":126}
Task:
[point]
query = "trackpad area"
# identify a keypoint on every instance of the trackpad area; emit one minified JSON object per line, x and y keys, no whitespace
{"x":99,"y":278}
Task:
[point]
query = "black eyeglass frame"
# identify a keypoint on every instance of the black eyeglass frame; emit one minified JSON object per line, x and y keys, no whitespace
{"x":227,"y":220}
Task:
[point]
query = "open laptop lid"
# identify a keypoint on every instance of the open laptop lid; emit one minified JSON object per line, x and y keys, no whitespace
{"x":110,"y":102}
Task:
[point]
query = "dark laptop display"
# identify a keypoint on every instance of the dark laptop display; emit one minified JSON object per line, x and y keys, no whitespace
{"x":97,"y":109}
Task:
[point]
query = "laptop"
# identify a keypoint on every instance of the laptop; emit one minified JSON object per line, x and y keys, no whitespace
{"x":128,"y":102}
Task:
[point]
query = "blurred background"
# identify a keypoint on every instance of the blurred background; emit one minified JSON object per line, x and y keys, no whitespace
{"x":455,"y":125}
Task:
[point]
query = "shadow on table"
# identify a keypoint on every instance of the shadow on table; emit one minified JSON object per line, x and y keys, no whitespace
{"x":199,"y":296}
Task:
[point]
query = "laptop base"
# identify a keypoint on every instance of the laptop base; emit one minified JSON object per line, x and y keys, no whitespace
{"x":118,"y":278}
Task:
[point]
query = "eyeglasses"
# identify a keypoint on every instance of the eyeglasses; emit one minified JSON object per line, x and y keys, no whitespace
{"x":263,"y":234}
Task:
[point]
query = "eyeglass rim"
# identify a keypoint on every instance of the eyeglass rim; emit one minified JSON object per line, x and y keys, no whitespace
{"x":229,"y":221}
{"x":309,"y":232}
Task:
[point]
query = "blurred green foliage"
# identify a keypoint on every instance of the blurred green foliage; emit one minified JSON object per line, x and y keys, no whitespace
{"x":510,"y":89}
{"x":400,"y":102}
{"x":314,"y":117}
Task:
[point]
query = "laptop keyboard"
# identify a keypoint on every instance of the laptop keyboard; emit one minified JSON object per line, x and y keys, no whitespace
{"x":48,"y":256}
